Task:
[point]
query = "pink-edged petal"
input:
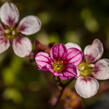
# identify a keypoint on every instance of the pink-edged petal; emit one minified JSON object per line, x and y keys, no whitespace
{"x":58,"y":52}
{"x":102,"y":69}
{"x":72,"y":45}
{"x":22,"y":46}
{"x":74,"y":56}
{"x":93,"y":52}
{"x":9,"y":14}
{"x":4,"y":44}
{"x":86,"y":87}
{"x":64,"y":78}
{"x":29,"y":25}
{"x":42,"y":60}
{"x":69,"y":72}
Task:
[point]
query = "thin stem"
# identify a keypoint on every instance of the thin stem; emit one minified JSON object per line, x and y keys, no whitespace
{"x":59,"y":97}
{"x":58,"y":81}
{"x":63,"y":86}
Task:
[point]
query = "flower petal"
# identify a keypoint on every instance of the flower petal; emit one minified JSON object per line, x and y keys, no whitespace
{"x":29,"y":25}
{"x":22,"y":46}
{"x":9,"y":14}
{"x":58,"y":52}
{"x":78,"y":73}
{"x":42,"y":60}
{"x":86,"y":87}
{"x":102,"y":69}
{"x":72,"y":45}
{"x":74,"y":56}
{"x":69,"y":72}
{"x":4,"y":44}
{"x":64,"y":78}
{"x":94,"y":52}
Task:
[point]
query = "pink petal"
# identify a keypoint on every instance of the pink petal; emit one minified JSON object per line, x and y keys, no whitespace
{"x":86,"y":87}
{"x":102,"y":69}
{"x":93,"y":52}
{"x":58,"y":52}
{"x":69,"y":72}
{"x":64,"y":78}
{"x":72,"y":45}
{"x":4,"y":44}
{"x":29,"y":25}
{"x":22,"y":46}
{"x":42,"y":60}
{"x":74,"y":56}
{"x":9,"y":14}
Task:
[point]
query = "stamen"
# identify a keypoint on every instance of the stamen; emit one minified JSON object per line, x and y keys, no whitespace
{"x":58,"y":66}
{"x":7,"y":31}
{"x":91,"y":65}
{"x":82,"y":68}
{"x":10,"y":33}
{"x":85,"y":69}
{"x":13,"y":33}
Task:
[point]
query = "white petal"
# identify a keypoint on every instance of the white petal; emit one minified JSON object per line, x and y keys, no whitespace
{"x":72,"y":45}
{"x":22,"y":46}
{"x":86,"y":87}
{"x":102,"y":69}
{"x":29,"y":25}
{"x":9,"y":14}
{"x":94,"y":52}
{"x":4,"y":44}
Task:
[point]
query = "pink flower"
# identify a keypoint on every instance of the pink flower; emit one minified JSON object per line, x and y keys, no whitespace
{"x":61,"y":62}
{"x":90,"y":69}
{"x":11,"y":32}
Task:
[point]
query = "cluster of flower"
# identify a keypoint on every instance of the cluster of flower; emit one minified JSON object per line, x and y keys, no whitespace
{"x":68,"y":61}
{"x":63,"y":61}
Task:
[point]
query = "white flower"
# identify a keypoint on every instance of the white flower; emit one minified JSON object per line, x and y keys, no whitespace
{"x":10,"y":31}
{"x":91,"y":69}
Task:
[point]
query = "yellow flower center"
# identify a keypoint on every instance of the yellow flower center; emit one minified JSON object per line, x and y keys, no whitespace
{"x":10,"y":33}
{"x":85,"y":69}
{"x":58,"y":66}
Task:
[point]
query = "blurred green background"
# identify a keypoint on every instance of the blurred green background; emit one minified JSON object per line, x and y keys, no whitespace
{"x":22,"y":86}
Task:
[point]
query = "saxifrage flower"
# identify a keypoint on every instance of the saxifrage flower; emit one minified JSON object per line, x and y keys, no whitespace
{"x":61,"y":62}
{"x":90,"y":69}
{"x":12,"y":32}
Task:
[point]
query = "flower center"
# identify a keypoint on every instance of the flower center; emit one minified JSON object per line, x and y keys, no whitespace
{"x":85,"y":69}
{"x":10,"y":33}
{"x":58,"y":66}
